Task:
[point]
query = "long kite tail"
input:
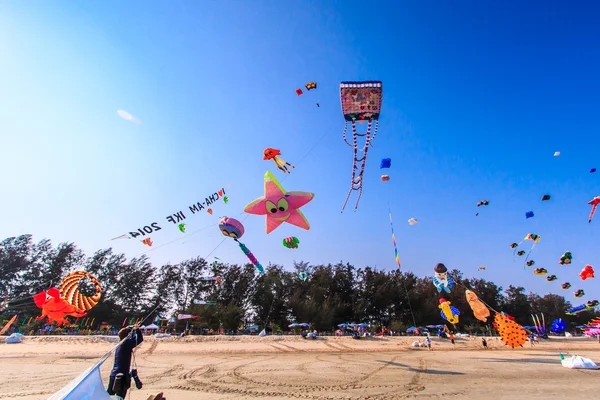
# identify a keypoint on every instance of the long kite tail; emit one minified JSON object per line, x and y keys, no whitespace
{"x":592,"y":213}
{"x":251,"y":257}
{"x":394,"y":241}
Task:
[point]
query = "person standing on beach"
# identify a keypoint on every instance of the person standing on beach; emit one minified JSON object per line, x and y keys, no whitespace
{"x":428,"y":342}
{"x":484,"y":343}
{"x":120,"y":379}
{"x":452,"y":337}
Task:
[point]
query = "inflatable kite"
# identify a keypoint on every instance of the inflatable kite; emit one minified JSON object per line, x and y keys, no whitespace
{"x":412,"y":221}
{"x":592,"y":170}
{"x":310,"y":86}
{"x":271,"y":154}
{"x":539,"y":324}
{"x":441,"y":280}
{"x":590,"y":305}
{"x":551,"y":278}
{"x":448,"y":312}
{"x":70,"y":290}
{"x":386,"y":163}
{"x":280,"y":206}
{"x":55,"y":308}
{"x":546,"y":197}
{"x":530,"y":263}
{"x":385,"y":178}
{"x":511,"y":333}
{"x":565,"y":286}
{"x":514,"y":245}
{"x":530,"y":236}
{"x":182,"y":228}
{"x":558,"y":326}
{"x":520,"y":253}
{"x":480,"y":311}
{"x":566,"y":258}
{"x":529,"y":214}
{"x":540,"y":271}
{"x":579,"y":293}
{"x":147,"y":242}
{"x":481,"y":269}
{"x":234,"y":229}
{"x":187,"y":316}
{"x":291,"y":242}
{"x":594,"y":203}
{"x":225,"y":199}
{"x":587,"y":272}
{"x":303,"y":276}
{"x":361,"y":101}
{"x":482,"y":203}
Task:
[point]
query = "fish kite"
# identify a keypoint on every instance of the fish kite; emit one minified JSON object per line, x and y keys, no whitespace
{"x":441,"y":279}
{"x":271,"y":154}
{"x":566,"y":258}
{"x":448,"y":312}
{"x":587,"y":272}
{"x":280,"y":206}
{"x":594,"y":203}
{"x":480,"y":311}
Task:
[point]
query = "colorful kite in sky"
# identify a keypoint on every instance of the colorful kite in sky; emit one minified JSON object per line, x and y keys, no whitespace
{"x":566,"y":258}
{"x":441,"y":279}
{"x":234,"y":229}
{"x":361,"y":101}
{"x":587,"y":272}
{"x":594,"y":203}
{"x":448,"y":311}
{"x":280,"y":206}
{"x":291,"y":242}
{"x":272,"y":154}
{"x":480,"y":311}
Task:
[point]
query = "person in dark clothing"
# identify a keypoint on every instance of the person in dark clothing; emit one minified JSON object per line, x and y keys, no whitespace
{"x":120,"y":379}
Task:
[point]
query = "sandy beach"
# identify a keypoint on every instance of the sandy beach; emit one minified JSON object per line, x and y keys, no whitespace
{"x":329,"y":368}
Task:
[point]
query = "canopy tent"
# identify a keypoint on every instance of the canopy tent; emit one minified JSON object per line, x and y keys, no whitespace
{"x":436,"y":326}
{"x":150,"y":327}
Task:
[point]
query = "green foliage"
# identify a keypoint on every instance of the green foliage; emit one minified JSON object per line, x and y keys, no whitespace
{"x":331,"y":295}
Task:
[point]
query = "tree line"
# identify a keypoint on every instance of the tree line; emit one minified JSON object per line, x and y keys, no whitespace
{"x":332,"y":294}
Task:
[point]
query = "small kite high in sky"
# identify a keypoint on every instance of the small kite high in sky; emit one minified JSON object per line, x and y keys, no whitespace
{"x":594,"y":203}
{"x":272,"y":154}
{"x":126,"y":116}
{"x":361,"y":101}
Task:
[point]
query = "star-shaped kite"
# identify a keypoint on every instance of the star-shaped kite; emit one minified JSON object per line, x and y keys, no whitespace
{"x":280,"y":206}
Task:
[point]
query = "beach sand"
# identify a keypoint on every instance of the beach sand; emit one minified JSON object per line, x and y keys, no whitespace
{"x":329,"y":368}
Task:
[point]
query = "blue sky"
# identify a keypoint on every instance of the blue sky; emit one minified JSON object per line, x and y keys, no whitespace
{"x":477,"y":98}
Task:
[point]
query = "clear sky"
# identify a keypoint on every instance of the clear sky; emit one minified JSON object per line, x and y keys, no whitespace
{"x":478,"y":95}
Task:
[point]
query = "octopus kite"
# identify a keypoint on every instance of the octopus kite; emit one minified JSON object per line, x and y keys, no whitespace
{"x":448,"y":311}
{"x":594,"y":203}
{"x":361,"y":101}
{"x":271,"y":154}
{"x":441,"y":280}
{"x":234,"y":229}
{"x":480,"y":311}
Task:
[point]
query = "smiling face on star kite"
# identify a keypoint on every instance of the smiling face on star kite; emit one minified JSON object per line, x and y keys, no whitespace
{"x":280,"y":206}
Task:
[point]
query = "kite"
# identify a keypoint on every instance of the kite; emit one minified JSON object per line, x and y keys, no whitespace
{"x":482,"y":268}
{"x":125,"y":115}
{"x":205,"y":302}
{"x":182,"y":228}
{"x":448,"y":312}
{"x":234,"y":229}
{"x":271,"y":154}
{"x":480,"y":311}
{"x":303,"y":276}
{"x":211,"y":278}
{"x":565,"y":286}
{"x":530,"y":263}
{"x":394,"y":240}
{"x":299,"y":92}
{"x":70,"y":290}
{"x":147,"y":242}
{"x":540,"y":324}
{"x":311,"y":85}
{"x":592,"y":170}
{"x":483,"y":203}
{"x":412,"y":221}
{"x":291,"y":242}
{"x":551,"y":278}
{"x":514,"y":245}
{"x":546,"y":197}
{"x":124,"y":236}
{"x":587,"y":272}
{"x":280,"y":206}
{"x":210,"y":211}
{"x":225,"y":199}
{"x":511,"y":333}
{"x":385,"y":178}
{"x":590,"y":305}
{"x":442,"y":280}
{"x":187,"y":316}
{"x":386,"y":163}
{"x":55,"y":308}
{"x":558,"y":326}
{"x":530,"y":236}
{"x":520,"y":253}
{"x":566,"y":258}
{"x":540,"y":271}
{"x":579,"y":293}
{"x":556,"y":153}
{"x":594,"y":203}
{"x":529,"y":214}
{"x":361,"y":101}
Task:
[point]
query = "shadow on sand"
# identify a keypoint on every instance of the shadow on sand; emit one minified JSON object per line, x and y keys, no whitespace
{"x":423,"y":371}
{"x":522,"y":360}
